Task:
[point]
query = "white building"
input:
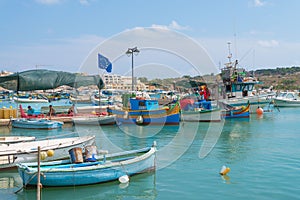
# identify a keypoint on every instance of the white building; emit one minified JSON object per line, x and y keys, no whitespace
{"x":114,"y":81}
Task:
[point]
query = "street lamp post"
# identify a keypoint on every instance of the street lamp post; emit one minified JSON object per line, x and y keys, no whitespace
{"x":130,"y":52}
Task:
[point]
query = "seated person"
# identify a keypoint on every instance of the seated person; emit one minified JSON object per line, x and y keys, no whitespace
{"x":30,"y":111}
{"x":51,"y":111}
{"x":72,"y":110}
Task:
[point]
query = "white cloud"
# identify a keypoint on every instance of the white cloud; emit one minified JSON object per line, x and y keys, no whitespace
{"x":259,"y":3}
{"x":172,"y":26}
{"x":49,"y":2}
{"x":84,"y":2}
{"x":268,"y":43}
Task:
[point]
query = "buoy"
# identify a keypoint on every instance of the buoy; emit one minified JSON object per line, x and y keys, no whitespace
{"x":125,"y":115}
{"x":124,"y":179}
{"x":224,"y":170}
{"x":50,"y":153}
{"x":139,"y":119}
{"x":259,"y":111}
{"x":43,"y":155}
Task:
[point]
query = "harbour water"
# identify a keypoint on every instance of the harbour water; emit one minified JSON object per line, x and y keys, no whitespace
{"x":262,"y":152}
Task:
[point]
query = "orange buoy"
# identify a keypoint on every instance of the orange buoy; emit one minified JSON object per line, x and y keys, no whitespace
{"x":224,"y":170}
{"x":259,"y":111}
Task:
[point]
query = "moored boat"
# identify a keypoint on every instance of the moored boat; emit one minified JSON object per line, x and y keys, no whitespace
{"x":287,"y":99}
{"x":236,"y":112}
{"x":147,"y":112}
{"x":104,"y":168}
{"x":15,"y":139}
{"x":12,"y":154}
{"x":238,"y":87}
{"x":35,"y":123}
{"x":95,"y":120}
{"x":199,"y":111}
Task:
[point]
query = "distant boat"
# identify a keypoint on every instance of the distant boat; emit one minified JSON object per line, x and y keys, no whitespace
{"x":287,"y":99}
{"x":236,"y":112}
{"x":147,"y":112}
{"x":104,"y":168}
{"x":15,"y":139}
{"x":35,"y":123}
{"x":12,"y":154}
{"x":96,"y":120}
{"x":29,"y":100}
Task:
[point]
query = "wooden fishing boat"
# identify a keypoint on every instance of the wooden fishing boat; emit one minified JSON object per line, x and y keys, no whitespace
{"x":147,"y":112}
{"x":35,"y":123}
{"x":12,"y":154}
{"x":105,"y":168}
{"x":199,"y":111}
{"x":15,"y":139}
{"x":236,"y":112}
{"x":238,"y":87}
{"x":95,"y":120}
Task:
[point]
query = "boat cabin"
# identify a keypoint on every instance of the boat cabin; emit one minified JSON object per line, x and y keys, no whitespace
{"x":239,"y":89}
{"x":143,"y":104}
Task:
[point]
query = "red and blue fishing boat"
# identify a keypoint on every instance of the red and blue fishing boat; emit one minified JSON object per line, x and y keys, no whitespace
{"x":236,"y":112}
{"x":147,"y":112}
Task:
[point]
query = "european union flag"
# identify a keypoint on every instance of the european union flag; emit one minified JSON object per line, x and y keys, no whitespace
{"x":104,"y":63}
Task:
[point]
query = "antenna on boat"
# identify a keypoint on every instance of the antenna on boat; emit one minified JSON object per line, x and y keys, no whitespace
{"x":230,"y":54}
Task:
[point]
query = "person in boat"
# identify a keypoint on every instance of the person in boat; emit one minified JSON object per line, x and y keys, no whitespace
{"x":51,"y":111}
{"x":72,"y":110}
{"x":30,"y":111}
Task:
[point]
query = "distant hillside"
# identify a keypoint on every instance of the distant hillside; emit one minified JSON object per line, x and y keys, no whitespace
{"x":285,"y":78}
{"x":277,"y":71}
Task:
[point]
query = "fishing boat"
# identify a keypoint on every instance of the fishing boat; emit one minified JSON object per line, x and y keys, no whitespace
{"x":95,"y":120}
{"x":106,"y":167}
{"x":147,"y":112}
{"x":287,"y":99}
{"x":236,"y":112}
{"x":35,"y":123}
{"x":238,"y":87}
{"x":199,"y":111}
{"x":12,"y":154}
{"x":15,"y":139}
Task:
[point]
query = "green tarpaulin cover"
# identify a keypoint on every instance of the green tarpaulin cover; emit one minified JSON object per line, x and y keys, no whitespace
{"x":41,"y":79}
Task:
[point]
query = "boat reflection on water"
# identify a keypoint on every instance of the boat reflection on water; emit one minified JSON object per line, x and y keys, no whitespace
{"x":147,"y":131}
{"x":10,"y":181}
{"x":140,"y":186}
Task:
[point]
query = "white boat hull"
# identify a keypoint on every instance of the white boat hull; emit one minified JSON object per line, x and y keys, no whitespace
{"x":255,"y":102}
{"x":102,"y":120}
{"x":12,"y":154}
{"x":27,"y":100}
{"x":15,"y":139}
{"x":201,"y":116}
{"x":286,"y":103}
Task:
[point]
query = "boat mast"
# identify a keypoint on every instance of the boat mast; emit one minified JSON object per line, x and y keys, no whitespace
{"x":230,"y":54}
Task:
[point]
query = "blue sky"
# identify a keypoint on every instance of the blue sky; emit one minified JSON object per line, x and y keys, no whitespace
{"x":62,"y":34}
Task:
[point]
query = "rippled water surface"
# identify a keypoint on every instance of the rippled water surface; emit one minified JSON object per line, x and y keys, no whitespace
{"x":262,"y":152}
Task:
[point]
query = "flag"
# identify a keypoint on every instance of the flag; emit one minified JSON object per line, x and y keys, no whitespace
{"x":104,"y":63}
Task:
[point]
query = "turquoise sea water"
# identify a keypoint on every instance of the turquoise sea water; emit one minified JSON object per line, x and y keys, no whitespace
{"x":263,"y":153}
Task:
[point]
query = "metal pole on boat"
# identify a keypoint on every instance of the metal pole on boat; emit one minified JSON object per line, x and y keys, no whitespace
{"x":38,"y":192}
